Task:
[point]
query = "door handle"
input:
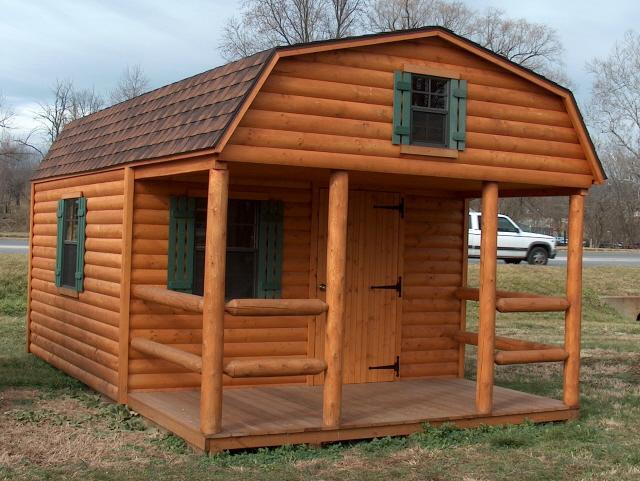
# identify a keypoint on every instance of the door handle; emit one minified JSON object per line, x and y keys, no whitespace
{"x":322,"y":287}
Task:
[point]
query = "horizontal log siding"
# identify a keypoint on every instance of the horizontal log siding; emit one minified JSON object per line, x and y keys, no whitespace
{"x":340,"y":102}
{"x":79,"y":336}
{"x":432,"y":273}
{"x":245,"y":337}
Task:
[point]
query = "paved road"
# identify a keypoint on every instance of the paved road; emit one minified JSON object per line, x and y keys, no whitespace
{"x":14,"y":246}
{"x":591,"y":258}
{"x":604,"y":258}
{"x":595,"y":258}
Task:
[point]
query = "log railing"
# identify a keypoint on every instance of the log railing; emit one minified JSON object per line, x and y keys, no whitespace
{"x":189,"y":361}
{"x":512,"y":301}
{"x":169,"y":298}
{"x":236,"y":307}
{"x":516,"y":351}
{"x":275,"y":307}
{"x":274,"y":367}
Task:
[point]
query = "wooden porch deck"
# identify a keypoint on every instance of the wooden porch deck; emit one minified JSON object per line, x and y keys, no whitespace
{"x":269,"y":416}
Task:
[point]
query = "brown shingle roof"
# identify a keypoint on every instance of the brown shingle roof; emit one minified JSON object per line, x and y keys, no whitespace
{"x":185,"y":116}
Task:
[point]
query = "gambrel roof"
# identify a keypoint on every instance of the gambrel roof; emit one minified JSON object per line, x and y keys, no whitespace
{"x":199,"y":114}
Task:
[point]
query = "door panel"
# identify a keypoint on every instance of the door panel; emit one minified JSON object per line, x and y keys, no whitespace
{"x":372,"y":259}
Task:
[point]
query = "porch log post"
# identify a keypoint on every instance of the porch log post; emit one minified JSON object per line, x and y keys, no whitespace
{"x":573,"y":315}
{"x":213,"y":302}
{"x":487,"y":299}
{"x":335,"y":297}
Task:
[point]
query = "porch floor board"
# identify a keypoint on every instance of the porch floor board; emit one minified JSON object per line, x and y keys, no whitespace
{"x":264,"y":416}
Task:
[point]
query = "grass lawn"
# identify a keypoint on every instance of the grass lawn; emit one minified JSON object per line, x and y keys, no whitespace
{"x":51,"y":427}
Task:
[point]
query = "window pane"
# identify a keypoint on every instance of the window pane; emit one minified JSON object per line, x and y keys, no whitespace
{"x":240,"y":275}
{"x":438,"y":102}
{"x":69,"y":258}
{"x":241,"y":249}
{"x":438,"y":86}
{"x":420,"y":100}
{"x":428,"y":128}
{"x":419,"y":83}
{"x":504,"y":225}
{"x":241,"y":224}
{"x":71,"y":220}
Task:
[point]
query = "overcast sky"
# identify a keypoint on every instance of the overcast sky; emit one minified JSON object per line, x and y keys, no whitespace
{"x":91,"y":41}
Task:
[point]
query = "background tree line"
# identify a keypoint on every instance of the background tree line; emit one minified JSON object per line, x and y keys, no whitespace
{"x":612,"y":113}
{"x":21,"y":153}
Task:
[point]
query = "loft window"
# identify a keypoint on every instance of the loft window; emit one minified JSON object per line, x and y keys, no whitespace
{"x":254,"y":247}
{"x":71,"y":215}
{"x":429,"y":110}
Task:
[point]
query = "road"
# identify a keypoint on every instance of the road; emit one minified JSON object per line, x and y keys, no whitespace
{"x":591,"y":258}
{"x":13,"y":246}
{"x":602,"y":258}
{"x":598,"y":258}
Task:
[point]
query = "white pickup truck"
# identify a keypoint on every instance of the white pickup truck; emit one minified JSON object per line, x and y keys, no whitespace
{"x":514,"y":245}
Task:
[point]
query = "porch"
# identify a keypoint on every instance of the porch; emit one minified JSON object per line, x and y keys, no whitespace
{"x":189,"y":336}
{"x":275,"y":415}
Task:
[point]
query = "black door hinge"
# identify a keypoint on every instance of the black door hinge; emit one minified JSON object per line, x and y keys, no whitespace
{"x":395,"y":366}
{"x":396,"y":287}
{"x":399,"y":207}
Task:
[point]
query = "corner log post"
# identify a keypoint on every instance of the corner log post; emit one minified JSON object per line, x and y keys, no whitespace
{"x":487,"y":298}
{"x":335,"y":297}
{"x":573,"y":314}
{"x":213,"y":302}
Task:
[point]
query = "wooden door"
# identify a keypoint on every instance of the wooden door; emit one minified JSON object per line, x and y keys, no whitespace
{"x":371,"y":315}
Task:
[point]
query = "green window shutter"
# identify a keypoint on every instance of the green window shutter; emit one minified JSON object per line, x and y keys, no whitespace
{"x":457,"y":113}
{"x":270,"y":247}
{"x":82,"y":224}
{"x":182,"y":217}
{"x":401,"y":107}
{"x":59,"y":241}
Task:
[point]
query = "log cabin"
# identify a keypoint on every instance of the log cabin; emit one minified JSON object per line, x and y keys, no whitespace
{"x":274,"y":251}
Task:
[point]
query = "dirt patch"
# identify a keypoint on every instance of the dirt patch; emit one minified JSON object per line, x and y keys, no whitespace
{"x":43,"y":432}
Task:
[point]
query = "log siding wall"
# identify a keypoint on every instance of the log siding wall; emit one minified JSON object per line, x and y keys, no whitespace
{"x":433,"y":264}
{"x":245,"y":337}
{"x":340,"y":102}
{"x":79,"y":336}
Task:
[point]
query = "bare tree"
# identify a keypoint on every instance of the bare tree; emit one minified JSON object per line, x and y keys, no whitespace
{"x":344,"y":17}
{"x":55,"y":115}
{"x":614,"y":109}
{"x":531,"y":45}
{"x":84,"y":102}
{"x":6,"y":113}
{"x":390,"y":15}
{"x":132,"y":83}
{"x":268,"y":23}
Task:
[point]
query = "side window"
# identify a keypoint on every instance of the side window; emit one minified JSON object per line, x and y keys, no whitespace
{"x":505,"y":225}
{"x":254,"y":249}
{"x":429,"y":111}
{"x":71,"y":223}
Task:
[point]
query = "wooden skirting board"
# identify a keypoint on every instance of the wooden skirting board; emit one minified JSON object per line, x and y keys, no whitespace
{"x":272,"y":416}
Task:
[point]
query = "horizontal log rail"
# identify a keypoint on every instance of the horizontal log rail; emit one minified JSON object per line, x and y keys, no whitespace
{"x":275,"y":307}
{"x":532,"y":304}
{"x":526,"y":357}
{"x":185,"y":359}
{"x":517,"y":351}
{"x":274,"y":367}
{"x":513,"y":301}
{"x":166,"y":297}
{"x":503,"y":343}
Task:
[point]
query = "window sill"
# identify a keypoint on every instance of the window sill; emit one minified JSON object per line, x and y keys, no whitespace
{"x":68,"y":292}
{"x":429,"y":151}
